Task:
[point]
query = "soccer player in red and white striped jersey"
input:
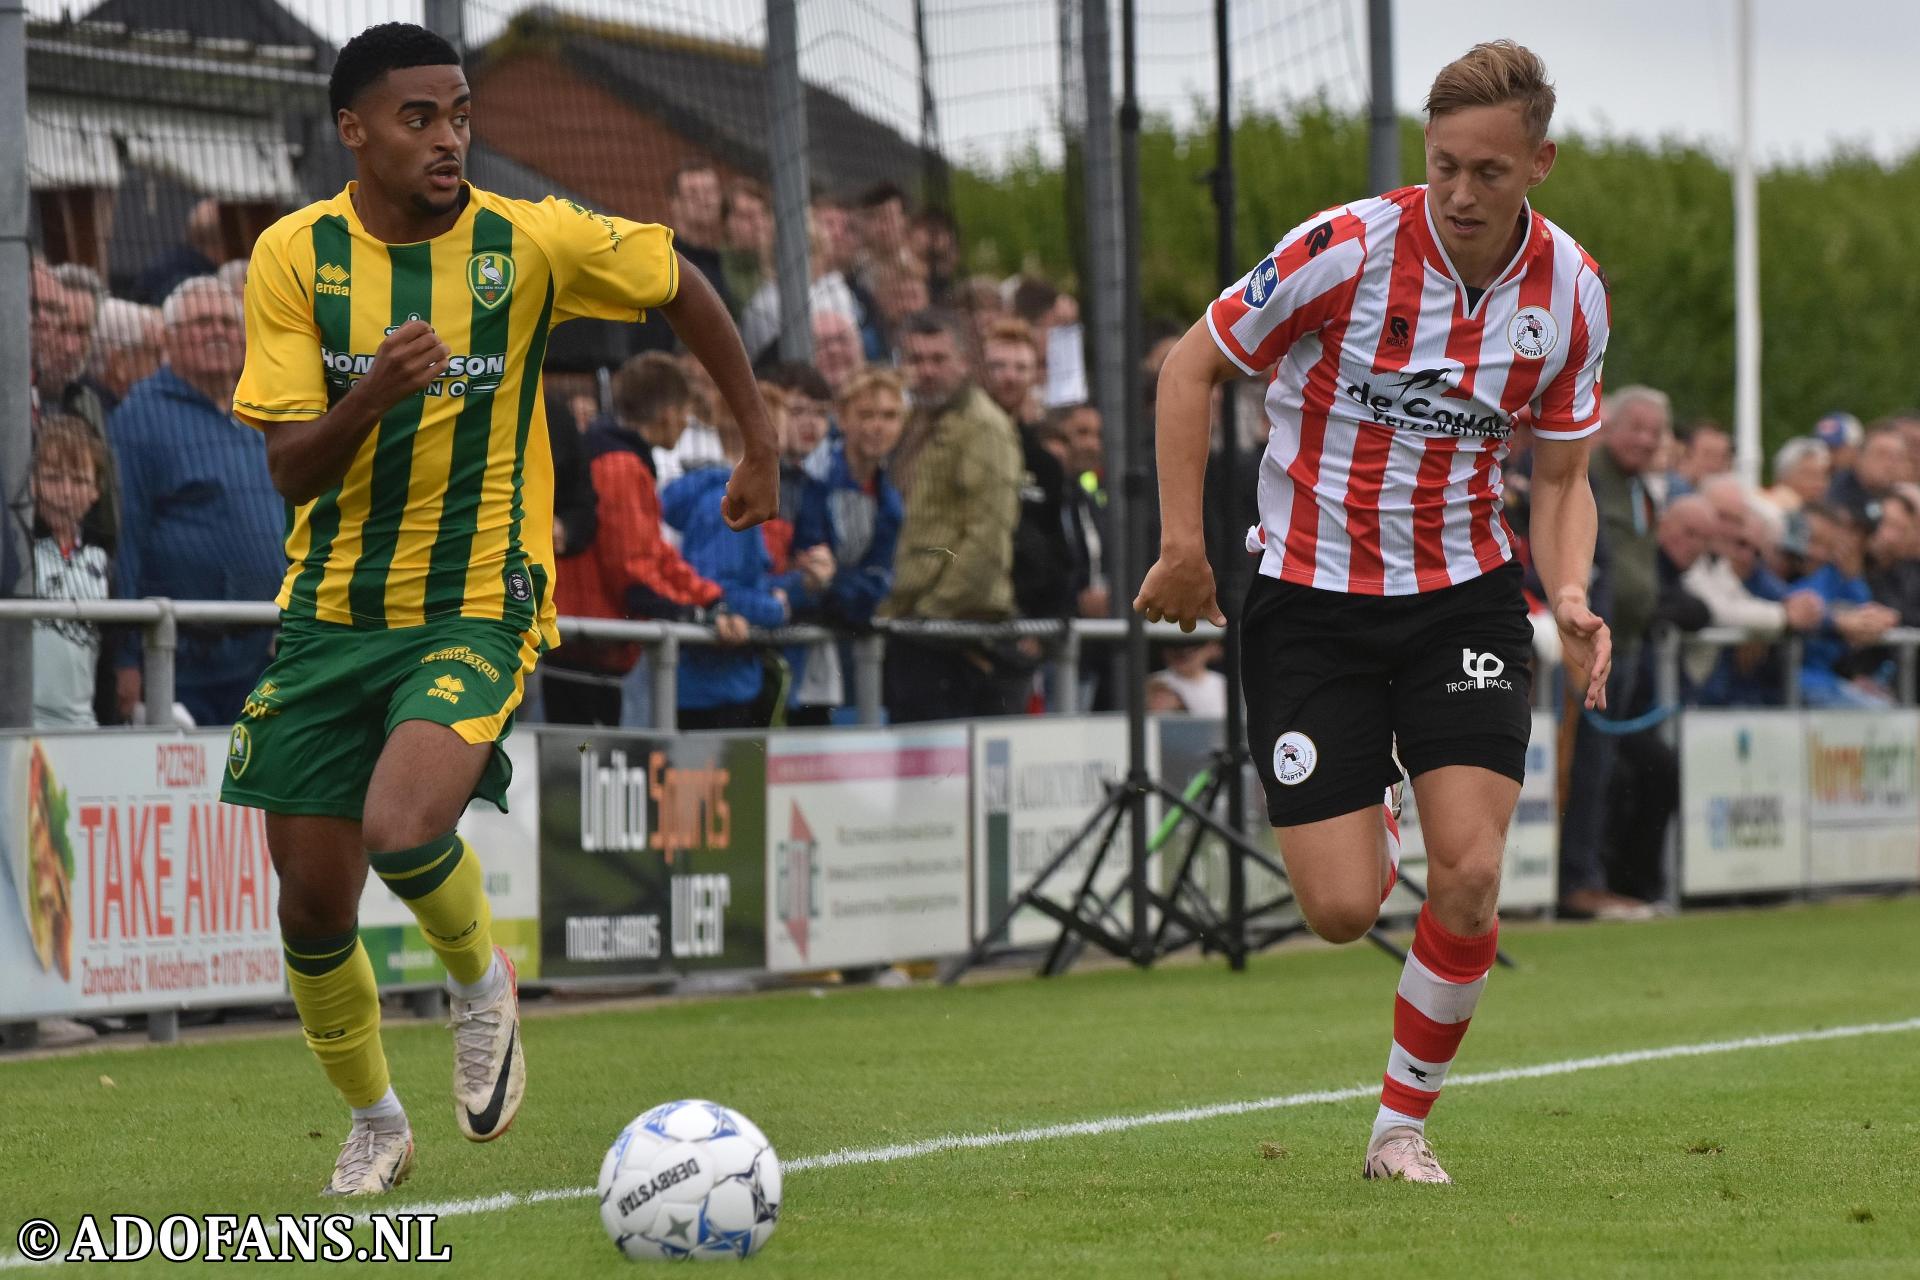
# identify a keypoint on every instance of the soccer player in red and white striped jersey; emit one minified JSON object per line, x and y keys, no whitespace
{"x":1406,"y":335}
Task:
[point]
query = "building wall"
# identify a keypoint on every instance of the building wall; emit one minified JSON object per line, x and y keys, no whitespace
{"x":536,"y":110}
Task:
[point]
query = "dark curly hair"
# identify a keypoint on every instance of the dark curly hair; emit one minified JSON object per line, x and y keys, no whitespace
{"x":380,"y":49}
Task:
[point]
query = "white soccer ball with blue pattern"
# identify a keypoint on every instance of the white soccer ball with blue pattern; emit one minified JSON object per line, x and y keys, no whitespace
{"x":690,"y":1179}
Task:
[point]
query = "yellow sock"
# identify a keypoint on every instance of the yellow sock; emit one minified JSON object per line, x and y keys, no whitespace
{"x":442,"y":883}
{"x":332,"y":982}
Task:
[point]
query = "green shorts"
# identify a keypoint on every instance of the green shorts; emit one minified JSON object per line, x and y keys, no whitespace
{"x":313,"y":728}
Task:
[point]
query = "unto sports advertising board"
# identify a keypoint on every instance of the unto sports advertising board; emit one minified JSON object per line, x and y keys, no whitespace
{"x":1035,"y":784}
{"x":867,"y":847}
{"x":651,"y":853}
{"x":509,"y":848}
{"x":1863,"y":797}
{"x":129,"y":885}
{"x":1743,"y":801}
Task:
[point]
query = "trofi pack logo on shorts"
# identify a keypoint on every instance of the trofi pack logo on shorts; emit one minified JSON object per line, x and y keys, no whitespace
{"x":490,"y":276}
{"x":239,"y":750}
{"x":1483,"y":671}
{"x":1532,"y":333}
{"x":1260,"y":284}
{"x":1294,"y":757}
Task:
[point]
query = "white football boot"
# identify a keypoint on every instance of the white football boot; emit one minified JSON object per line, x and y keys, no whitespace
{"x":489,"y":1068}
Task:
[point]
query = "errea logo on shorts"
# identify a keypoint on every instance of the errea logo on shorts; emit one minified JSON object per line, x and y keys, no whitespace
{"x":1483,"y":671}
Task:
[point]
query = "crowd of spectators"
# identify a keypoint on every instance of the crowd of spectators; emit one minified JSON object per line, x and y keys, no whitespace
{"x":143,"y":483}
{"x":939,"y":463}
{"x":1812,"y":569}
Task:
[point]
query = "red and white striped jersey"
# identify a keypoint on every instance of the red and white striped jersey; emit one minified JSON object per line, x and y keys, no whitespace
{"x":1392,"y":398}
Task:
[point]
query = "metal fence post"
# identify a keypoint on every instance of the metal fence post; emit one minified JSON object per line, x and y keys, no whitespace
{"x":1666,"y":665}
{"x":869,"y":677}
{"x":787,"y":136}
{"x":16,"y":445}
{"x":1904,"y":677}
{"x":449,"y":19}
{"x":163,"y":642}
{"x":1066,"y":672}
{"x":163,"y":1026}
{"x":666,"y":682}
{"x":1796,"y":653}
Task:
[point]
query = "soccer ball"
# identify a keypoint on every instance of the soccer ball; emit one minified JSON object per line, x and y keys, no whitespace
{"x":690,"y":1179}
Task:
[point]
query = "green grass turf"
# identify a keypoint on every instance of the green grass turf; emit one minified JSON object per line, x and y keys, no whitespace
{"x":1788,"y":1162}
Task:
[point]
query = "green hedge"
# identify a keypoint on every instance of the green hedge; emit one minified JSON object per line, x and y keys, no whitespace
{"x":1839,"y":250}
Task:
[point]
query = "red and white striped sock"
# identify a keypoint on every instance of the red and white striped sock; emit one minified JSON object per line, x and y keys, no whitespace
{"x":1439,"y":987}
{"x":1393,"y":846}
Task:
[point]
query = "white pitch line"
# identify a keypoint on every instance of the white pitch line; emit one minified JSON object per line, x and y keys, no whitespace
{"x":1185,"y":1115}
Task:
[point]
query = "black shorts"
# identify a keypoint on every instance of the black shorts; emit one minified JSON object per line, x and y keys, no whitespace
{"x":1334,"y":681}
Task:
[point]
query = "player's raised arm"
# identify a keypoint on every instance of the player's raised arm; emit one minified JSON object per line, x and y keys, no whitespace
{"x":701,"y":321}
{"x":1179,"y":587}
{"x":308,"y":458}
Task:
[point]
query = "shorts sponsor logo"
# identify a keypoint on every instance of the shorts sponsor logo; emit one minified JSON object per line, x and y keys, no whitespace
{"x":461,"y":653}
{"x":260,"y":703}
{"x":239,"y":750}
{"x":1483,"y":671}
{"x":517,"y":587}
{"x":1294,"y":757}
{"x":1533,"y":333}
{"x":447,"y":689}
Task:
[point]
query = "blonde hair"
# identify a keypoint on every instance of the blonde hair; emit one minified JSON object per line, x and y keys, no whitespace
{"x":868,"y":381}
{"x":1493,"y":74}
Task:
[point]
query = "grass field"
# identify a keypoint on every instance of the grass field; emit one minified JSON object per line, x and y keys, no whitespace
{"x":1773,"y":1160}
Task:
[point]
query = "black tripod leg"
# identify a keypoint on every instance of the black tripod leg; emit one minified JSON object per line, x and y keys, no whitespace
{"x":978,"y":953}
{"x":1066,"y":948}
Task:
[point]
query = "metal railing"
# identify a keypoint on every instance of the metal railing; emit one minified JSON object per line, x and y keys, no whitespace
{"x":162,"y":620}
{"x":1671,"y":646}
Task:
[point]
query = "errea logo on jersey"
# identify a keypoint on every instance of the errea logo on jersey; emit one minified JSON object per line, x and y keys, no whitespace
{"x":331,"y":279}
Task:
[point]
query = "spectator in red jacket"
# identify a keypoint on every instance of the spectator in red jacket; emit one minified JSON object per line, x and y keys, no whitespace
{"x":630,"y":571}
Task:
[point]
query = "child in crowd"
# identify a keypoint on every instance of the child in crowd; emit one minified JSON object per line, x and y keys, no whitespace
{"x":69,"y":461}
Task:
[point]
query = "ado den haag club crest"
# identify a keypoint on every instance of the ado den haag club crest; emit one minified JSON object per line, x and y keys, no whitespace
{"x":490,"y":276}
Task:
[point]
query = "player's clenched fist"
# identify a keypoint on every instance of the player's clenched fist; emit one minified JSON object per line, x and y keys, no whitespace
{"x":408,"y":361}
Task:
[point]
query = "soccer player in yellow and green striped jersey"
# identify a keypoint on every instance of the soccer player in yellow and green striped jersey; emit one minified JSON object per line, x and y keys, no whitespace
{"x":394,"y":339}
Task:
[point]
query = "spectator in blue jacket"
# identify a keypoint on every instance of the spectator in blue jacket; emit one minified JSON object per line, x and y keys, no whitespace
{"x":1830,"y":673}
{"x":723,"y":687}
{"x":864,"y":509}
{"x":200,"y":519}
{"x":801,"y":538}
{"x":862,"y":512}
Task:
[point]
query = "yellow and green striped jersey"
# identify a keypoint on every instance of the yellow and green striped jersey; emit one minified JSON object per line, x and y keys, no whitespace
{"x":447,"y":509}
